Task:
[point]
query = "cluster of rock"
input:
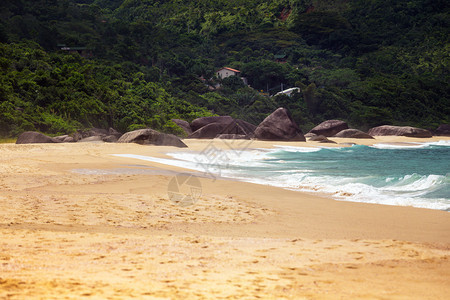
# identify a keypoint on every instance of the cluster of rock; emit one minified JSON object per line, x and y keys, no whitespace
{"x":278,"y":126}
{"x":400,"y":131}
{"x":337,"y":128}
{"x":97,"y":135}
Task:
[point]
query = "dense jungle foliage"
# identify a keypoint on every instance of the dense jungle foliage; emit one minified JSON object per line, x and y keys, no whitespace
{"x":142,"y":63}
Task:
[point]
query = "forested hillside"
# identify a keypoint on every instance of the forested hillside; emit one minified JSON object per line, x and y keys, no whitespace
{"x":68,"y":64}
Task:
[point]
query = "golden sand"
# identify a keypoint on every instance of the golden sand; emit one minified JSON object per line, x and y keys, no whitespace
{"x":116,"y":235}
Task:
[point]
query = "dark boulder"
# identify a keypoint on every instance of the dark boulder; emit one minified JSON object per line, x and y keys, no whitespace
{"x":279,"y":126}
{"x":110,"y":138}
{"x":69,"y":139}
{"x":443,"y":129}
{"x":151,"y":137}
{"x":400,"y":131}
{"x":237,"y":127}
{"x":77,"y":136}
{"x":309,"y":134}
{"x":321,"y":139}
{"x":210,"y":131}
{"x":329,"y":128}
{"x":353,"y":133}
{"x":65,"y":138}
{"x":32,"y":137}
{"x":61,"y":137}
{"x":95,"y":132}
{"x":245,"y":127}
{"x":183,"y":125}
{"x":201,"y":122}
{"x":112,"y":131}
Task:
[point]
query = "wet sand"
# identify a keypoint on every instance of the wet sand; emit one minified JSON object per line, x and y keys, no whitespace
{"x":77,"y":222}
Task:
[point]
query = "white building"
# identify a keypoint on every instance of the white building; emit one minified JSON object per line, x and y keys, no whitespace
{"x":227,"y":72}
{"x":288,"y":92}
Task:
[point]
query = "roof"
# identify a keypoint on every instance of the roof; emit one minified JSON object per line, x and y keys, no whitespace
{"x":288,"y":91}
{"x":230,"y":69}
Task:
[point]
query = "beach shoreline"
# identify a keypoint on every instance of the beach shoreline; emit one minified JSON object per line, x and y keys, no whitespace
{"x":118,"y":235}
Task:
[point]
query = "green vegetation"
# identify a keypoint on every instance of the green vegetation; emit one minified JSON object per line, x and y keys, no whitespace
{"x":367,"y":62}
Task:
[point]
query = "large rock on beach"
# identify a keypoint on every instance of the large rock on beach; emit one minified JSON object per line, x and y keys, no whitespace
{"x":61,"y":138}
{"x":443,"y":129}
{"x":353,"y":134}
{"x":201,"y":122}
{"x":69,"y":139}
{"x":329,"y":128}
{"x":33,"y":137}
{"x":183,"y":125}
{"x":110,"y":138}
{"x":112,"y":131}
{"x":151,"y":137}
{"x":279,"y":126}
{"x":245,"y":127}
{"x":309,"y":134}
{"x":400,"y":131}
{"x":321,"y":139}
{"x":214,"y":129}
{"x":65,"y":138}
{"x":96,"y":132}
{"x":210,"y":131}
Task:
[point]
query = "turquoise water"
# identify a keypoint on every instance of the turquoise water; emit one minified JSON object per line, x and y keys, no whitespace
{"x":413,"y":175}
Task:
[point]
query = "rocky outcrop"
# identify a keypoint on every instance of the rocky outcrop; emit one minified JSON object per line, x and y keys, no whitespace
{"x":110,"y":138}
{"x":353,"y":134}
{"x":32,"y":137}
{"x":112,"y":131}
{"x":151,"y":137}
{"x":443,"y":129}
{"x":400,"y":131}
{"x":279,"y":126}
{"x":95,"y":132}
{"x":210,"y":131}
{"x":321,"y":139}
{"x":96,"y":135}
{"x":223,"y":126}
{"x":329,"y":128}
{"x":245,"y":127}
{"x":61,"y":137}
{"x":201,"y":122}
{"x":183,"y":125}
{"x":309,"y":134}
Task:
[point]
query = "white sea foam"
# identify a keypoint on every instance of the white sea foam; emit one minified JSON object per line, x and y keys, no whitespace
{"x":345,"y":189}
{"x":400,"y":146}
{"x":445,"y":143}
{"x":165,"y":161}
{"x":297,"y":149}
{"x":262,"y":167}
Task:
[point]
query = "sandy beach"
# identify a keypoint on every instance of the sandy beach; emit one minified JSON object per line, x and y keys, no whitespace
{"x":78,"y":222}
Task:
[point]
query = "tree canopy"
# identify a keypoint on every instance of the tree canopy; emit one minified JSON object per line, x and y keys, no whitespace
{"x":71,"y":64}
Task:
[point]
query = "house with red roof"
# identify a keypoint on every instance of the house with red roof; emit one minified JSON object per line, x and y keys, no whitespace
{"x":227,"y":72}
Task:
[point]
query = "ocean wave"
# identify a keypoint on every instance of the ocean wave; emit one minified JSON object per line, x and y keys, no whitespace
{"x":405,"y":146}
{"x":297,"y":149}
{"x":349,"y":189}
{"x":358,"y":173}
{"x":387,"y":146}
